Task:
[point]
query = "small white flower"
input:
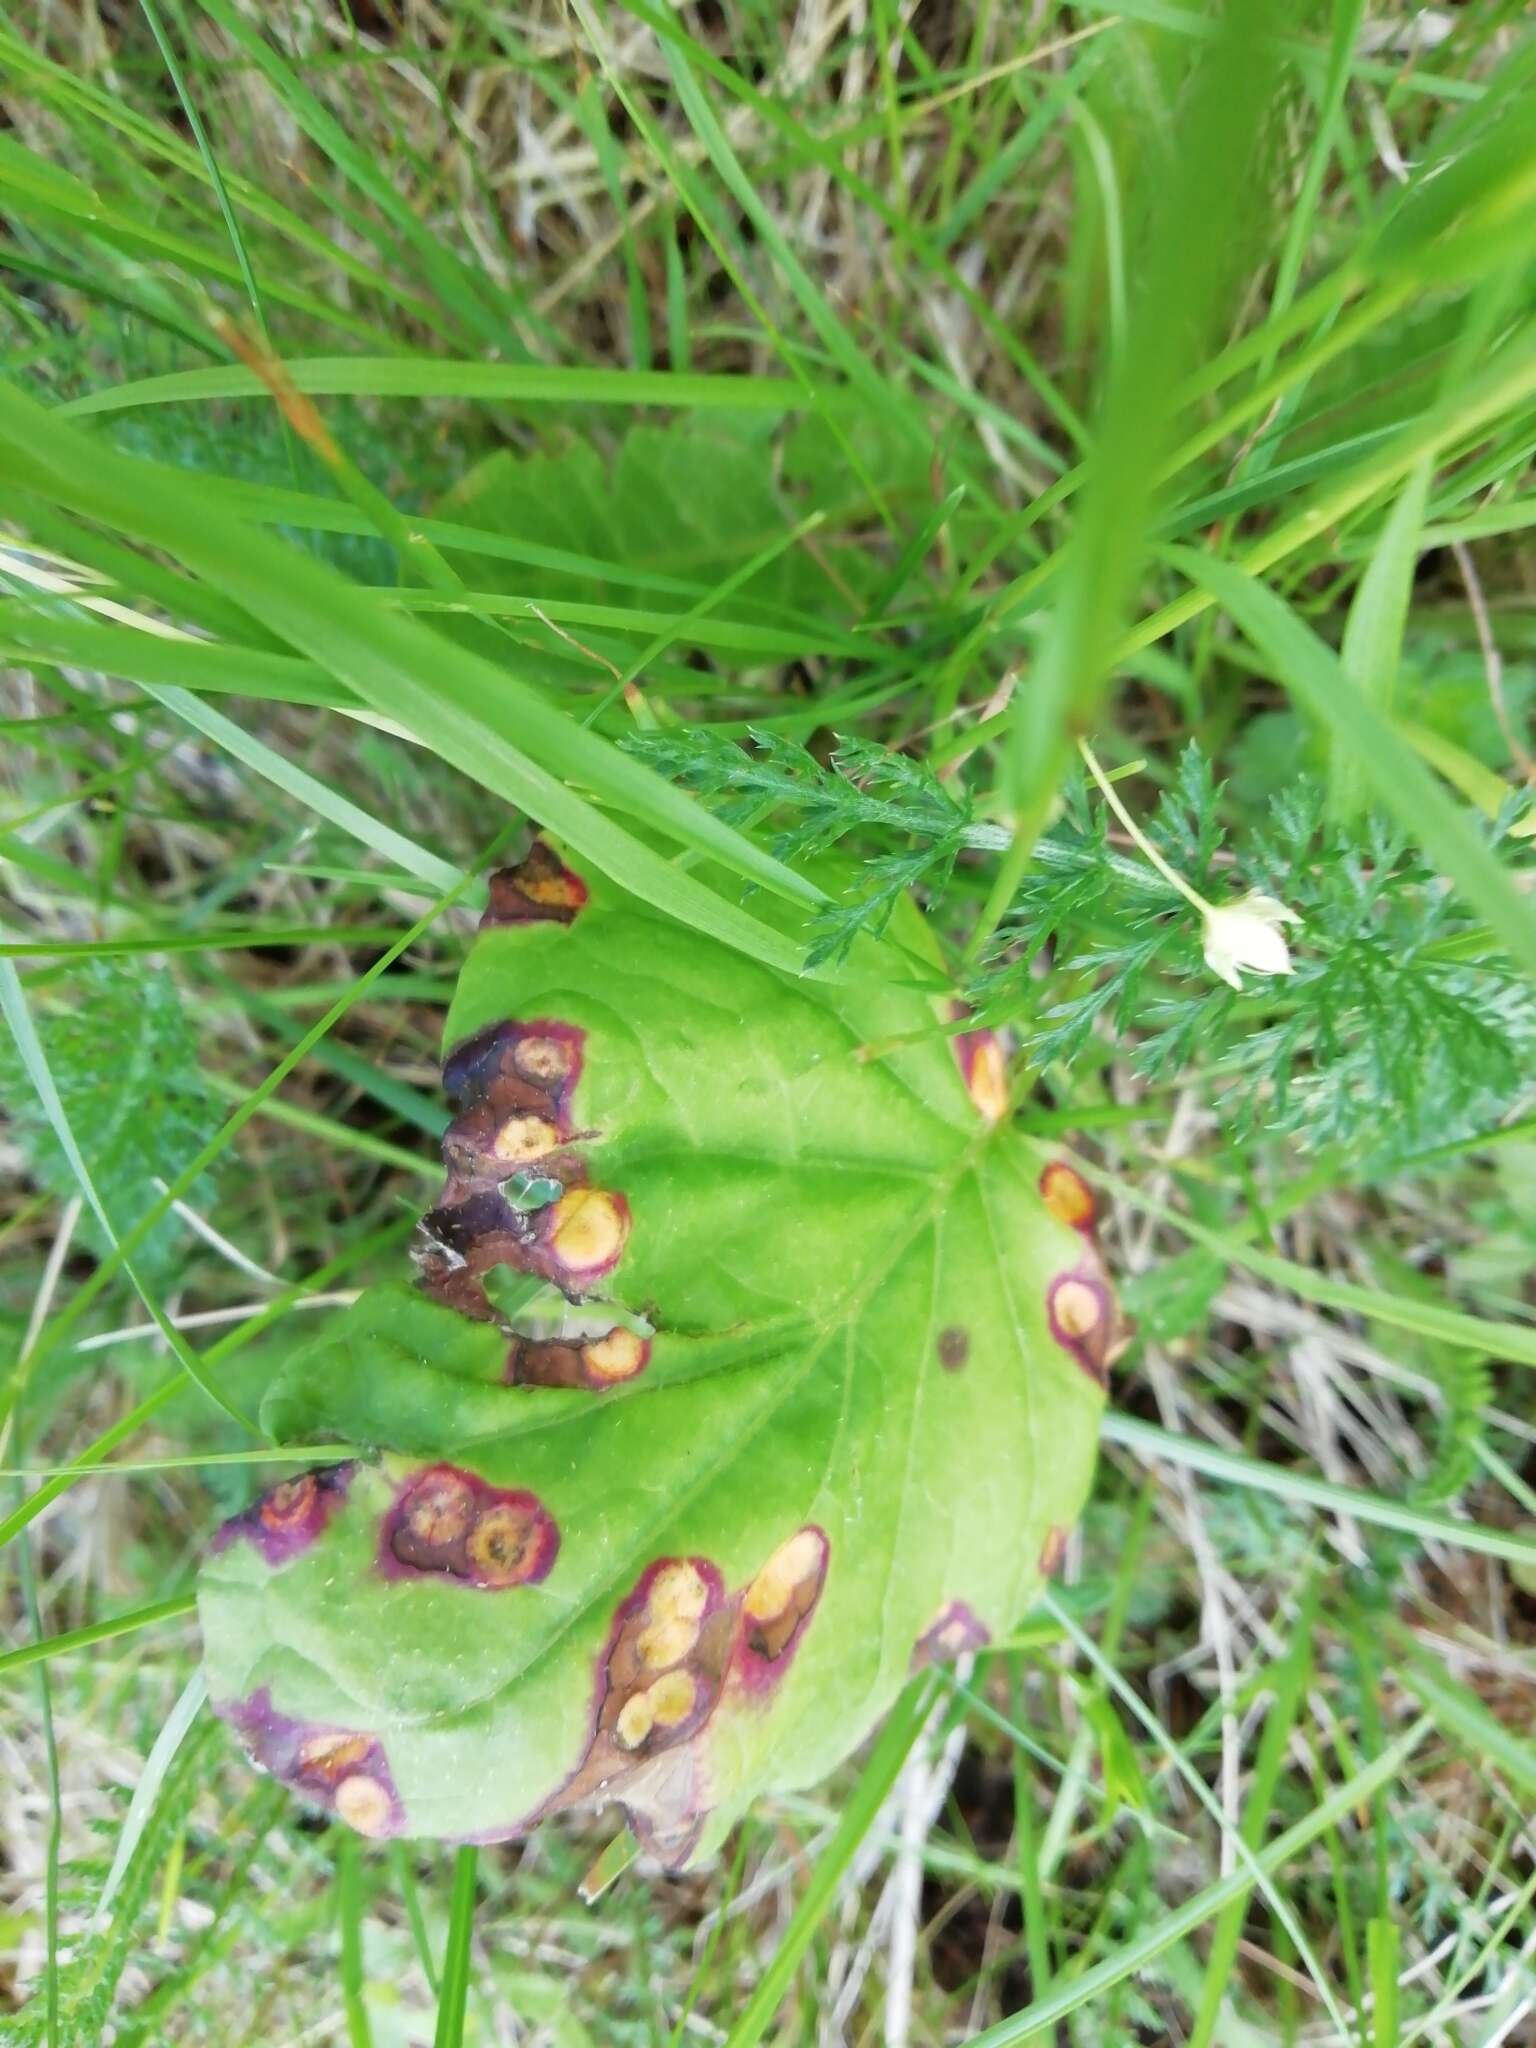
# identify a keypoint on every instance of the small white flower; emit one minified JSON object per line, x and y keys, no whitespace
{"x":1247,"y":934}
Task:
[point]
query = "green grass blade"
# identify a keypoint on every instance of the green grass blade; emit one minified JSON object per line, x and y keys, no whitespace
{"x":95,"y":1454}
{"x":485,"y":313}
{"x":251,"y":1103}
{"x":438,"y":377}
{"x":1282,"y":1912}
{"x":98,"y":1631}
{"x":80,"y":104}
{"x":136,"y":657}
{"x":210,"y":162}
{"x":141,"y":1807}
{"x":1461,"y":1716}
{"x":1304,"y":1490}
{"x":349,"y":1911}
{"x":1373,"y":632}
{"x":892,"y":1746}
{"x":491,"y":725}
{"x":1384,"y":1953}
{"x":454,"y":1994}
{"x":27,"y":1575}
{"x":308,"y":790}
{"x":1288,"y":1681}
{"x":1184,"y":274}
{"x":829,"y":330}
{"x":1135,"y":1955}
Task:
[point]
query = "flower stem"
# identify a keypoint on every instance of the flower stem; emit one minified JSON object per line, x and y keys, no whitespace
{"x":1139,"y":838}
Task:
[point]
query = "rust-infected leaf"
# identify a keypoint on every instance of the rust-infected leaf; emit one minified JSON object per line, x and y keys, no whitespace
{"x":805,"y":1394}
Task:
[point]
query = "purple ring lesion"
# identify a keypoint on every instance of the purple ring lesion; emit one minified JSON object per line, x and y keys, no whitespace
{"x":345,"y":1771}
{"x":777,"y":1607}
{"x":512,"y":1086}
{"x":955,"y":1631}
{"x":290,"y":1516}
{"x":447,"y":1522}
{"x":1085,"y":1318}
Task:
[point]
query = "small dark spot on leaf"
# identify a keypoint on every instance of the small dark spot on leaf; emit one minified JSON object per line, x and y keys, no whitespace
{"x":954,"y":1347}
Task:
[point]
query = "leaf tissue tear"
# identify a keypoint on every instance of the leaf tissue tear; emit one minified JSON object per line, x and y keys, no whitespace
{"x":807,"y":1394}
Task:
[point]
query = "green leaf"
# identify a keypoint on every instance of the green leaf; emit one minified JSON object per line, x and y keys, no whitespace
{"x":1123,"y":1782}
{"x":1171,"y":1299}
{"x":810,"y":1397}
{"x":697,"y":499}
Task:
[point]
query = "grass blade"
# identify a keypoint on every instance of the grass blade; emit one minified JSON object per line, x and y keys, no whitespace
{"x":1135,"y":1955}
{"x":98,"y":1632}
{"x":349,"y":1909}
{"x":1373,"y":632}
{"x":307,"y":789}
{"x":902,"y":1728}
{"x":493,"y":726}
{"x":1184,"y":277}
{"x":1462,"y":1717}
{"x":454,"y":1994}
{"x":1290,"y":1678}
{"x":142,"y":1805}
{"x":1238,"y":1469}
{"x":439,"y":377}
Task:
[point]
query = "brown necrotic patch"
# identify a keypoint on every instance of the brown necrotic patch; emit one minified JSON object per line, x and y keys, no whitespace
{"x":677,"y":1644}
{"x":1052,"y":1551}
{"x":778,"y":1604}
{"x":574,"y":1243}
{"x":513,"y":1086}
{"x":539,"y":890}
{"x":595,"y":1363}
{"x":954,"y":1347}
{"x":446,"y":1521}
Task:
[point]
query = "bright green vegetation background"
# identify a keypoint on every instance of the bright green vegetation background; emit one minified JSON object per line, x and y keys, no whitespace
{"x":946,"y":382}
